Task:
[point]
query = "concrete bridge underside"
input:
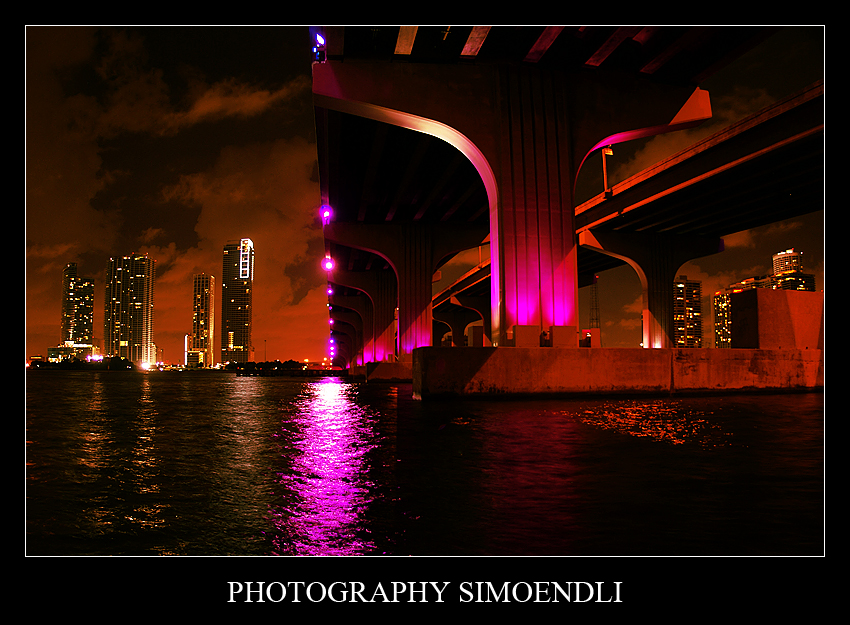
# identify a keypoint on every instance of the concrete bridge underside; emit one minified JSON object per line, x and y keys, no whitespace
{"x":421,"y":160}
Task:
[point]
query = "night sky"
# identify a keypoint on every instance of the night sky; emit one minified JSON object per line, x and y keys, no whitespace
{"x":171,"y":141}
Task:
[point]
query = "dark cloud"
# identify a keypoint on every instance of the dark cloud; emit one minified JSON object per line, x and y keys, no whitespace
{"x":125,"y":154}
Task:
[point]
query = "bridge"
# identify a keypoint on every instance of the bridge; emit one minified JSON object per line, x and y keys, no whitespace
{"x":436,"y":140}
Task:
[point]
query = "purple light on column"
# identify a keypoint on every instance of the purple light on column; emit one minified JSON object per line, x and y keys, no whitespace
{"x":326,"y":214}
{"x":328,"y":263}
{"x":330,"y":290}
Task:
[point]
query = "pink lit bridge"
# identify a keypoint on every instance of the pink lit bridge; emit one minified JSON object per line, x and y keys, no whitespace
{"x":436,"y":140}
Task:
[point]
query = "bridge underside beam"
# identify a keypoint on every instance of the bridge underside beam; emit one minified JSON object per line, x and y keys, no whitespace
{"x":360,"y":306}
{"x":380,"y":287}
{"x":527,"y":131}
{"x":414,"y":250}
{"x":656,"y":259}
{"x":457,"y":319}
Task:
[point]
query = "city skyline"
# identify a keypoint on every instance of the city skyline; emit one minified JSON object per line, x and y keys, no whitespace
{"x":161,"y":140}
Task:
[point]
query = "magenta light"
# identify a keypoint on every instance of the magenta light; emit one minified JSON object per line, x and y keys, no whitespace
{"x":328,"y":263}
{"x":328,"y":476}
{"x":330,"y":291}
{"x":326,"y":214}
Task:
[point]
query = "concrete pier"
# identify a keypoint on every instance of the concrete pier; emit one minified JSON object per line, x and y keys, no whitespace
{"x":502,"y":372}
{"x":382,"y":372}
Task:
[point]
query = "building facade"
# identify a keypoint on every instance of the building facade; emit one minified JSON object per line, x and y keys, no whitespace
{"x":128,"y":309}
{"x":237,"y":285}
{"x":687,"y":312}
{"x":77,"y":325}
{"x":789,"y":260}
{"x":787,"y":274}
{"x":200,"y":349}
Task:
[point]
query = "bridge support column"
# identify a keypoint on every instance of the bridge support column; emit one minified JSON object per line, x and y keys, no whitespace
{"x":380,"y":287}
{"x":457,"y":320}
{"x":415,"y":251}
{"x":345,"y":340}
{"x":527,"y":131}
{"x":481,"y":305}
{"x":438,"y":330}
{"x":348,"y":322}
{"x":656,"y":259}
{"x":361,"y":307}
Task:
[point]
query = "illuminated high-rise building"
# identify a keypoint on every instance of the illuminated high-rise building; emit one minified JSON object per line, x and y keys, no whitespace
{"x":237,"y":282}
{"x":788,"y":272}
{"x":200,"y":348}
{"x":789,"y":260}
{"x":77,"y":312}
{"x":128,"y":309}
{"x":787,"y":275}
{"x":722,"y":302}
{"x":687,"y":312}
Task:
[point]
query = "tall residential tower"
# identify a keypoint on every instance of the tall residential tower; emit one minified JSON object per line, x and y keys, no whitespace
{"x":201,"y":351}
{"x":77,"y":312}
{"x":128,"y":310}
{"x":237,"y":278}
{"x":687,"y":312}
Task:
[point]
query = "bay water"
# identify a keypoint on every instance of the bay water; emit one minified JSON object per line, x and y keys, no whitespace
{"x":213,"y":464}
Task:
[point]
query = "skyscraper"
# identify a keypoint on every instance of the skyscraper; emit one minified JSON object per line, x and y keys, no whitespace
{"x":77,"y":311}
{"x":687,"y":312}
{"x":128,"y":314}
{"x":789,"y":260}
{"x":722,"y":302}
{"x":237,"y":278}
{"x":788,"y":272}
{"x":201,"y":347}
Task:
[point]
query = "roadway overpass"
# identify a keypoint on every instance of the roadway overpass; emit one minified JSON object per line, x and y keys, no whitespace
{"x":765,"y":168}
{"x":434,"y":140}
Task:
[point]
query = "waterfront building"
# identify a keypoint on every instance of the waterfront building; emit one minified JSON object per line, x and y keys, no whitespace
{"x":687,"y":312}
{"x":128,"y":309}
{"x":237,"y":281}
{"x":200,"y":344}
{"x":77,"y":323}
{"x":787,"y":274}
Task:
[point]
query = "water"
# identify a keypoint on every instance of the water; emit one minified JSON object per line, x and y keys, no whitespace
{"x":214,"y":464}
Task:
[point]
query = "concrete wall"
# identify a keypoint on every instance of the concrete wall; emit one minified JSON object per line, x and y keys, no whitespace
{"x":777,"y":319}
{"x":489,"y":371}
{"x":383,"y":371}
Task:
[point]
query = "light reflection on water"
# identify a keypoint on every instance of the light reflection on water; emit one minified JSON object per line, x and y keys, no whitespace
{"x":216,"y":464}
{"x":667,"y":420}
{"x":327,"y":483}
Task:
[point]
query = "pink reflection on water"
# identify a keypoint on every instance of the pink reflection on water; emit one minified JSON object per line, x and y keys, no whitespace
{"x":328,"y":486}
